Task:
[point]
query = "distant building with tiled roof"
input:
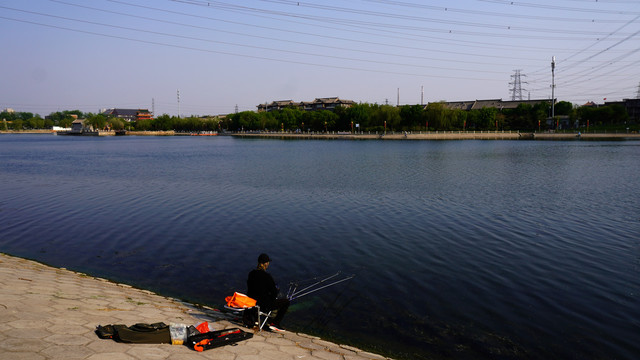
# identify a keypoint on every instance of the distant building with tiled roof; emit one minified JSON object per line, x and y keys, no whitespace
{"x":491,"y":103}
{"x":129,"y":114}
{"x":329,"y":103}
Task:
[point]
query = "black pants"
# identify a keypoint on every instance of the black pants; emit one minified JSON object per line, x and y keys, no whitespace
{"x":281,"y":306}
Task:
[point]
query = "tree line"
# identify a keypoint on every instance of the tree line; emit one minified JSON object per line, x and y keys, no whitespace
{"x":359,"y":117}
{"x":28,"y":121}
{"x":433,"y":117}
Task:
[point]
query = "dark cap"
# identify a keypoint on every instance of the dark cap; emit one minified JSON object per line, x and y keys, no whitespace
{"x":263,"y":258}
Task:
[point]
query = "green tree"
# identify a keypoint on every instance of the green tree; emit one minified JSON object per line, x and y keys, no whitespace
{"x":8,"y":116}
{"x":487,"y":118}
{"x":563,"y":108}
{"x":387,"y":114}
{"x":320,"y":120}
{"x":358,"y":114}
{"x":412,"y":117}
{"x":97,"y":121}
{"x":162,"y":123}
{"x":17,"y":124}
{"x":290,"y":118}
{"x":65,"y":118}
{"x":521,"y":118}
{"x":48,"y":124}
{"x":25,"y":116}
{"x":35,"y":122}
{"x":245,"y":120}
{"x":435,"y":114}
{"x":115,"y":123}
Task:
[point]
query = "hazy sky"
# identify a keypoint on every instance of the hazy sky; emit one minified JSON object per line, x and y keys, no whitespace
{"x":95,"y":54}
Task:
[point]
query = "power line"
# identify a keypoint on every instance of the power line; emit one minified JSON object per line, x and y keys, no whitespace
{"x":253,"y":47}
{"x":495,"y":14}
{"x":379,"y":25}
{"x":244,"y":55}
{"x":289,"y":41}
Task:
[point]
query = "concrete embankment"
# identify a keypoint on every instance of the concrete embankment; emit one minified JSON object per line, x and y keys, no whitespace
{"x":462,"y":135}
{"x":52,"y":313}
{"x":586,"y":136}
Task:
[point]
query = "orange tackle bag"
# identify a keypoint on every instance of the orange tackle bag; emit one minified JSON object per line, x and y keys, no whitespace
{"x":239,"y":300}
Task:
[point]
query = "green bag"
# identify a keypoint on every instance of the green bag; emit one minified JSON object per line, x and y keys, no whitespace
{"x":141,"y":333}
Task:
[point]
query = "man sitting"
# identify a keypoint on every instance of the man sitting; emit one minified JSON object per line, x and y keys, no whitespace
{"x":263,"y":289}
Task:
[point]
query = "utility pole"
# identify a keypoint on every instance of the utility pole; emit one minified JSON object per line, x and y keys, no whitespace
{"x":422,"y":95}
{"x":178,"y":103}
{"x":553,"y":87}
{"x":153,"y":107}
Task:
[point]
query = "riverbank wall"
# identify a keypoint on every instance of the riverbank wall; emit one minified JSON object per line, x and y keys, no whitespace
{"x":455,"y":135}
{"x":432,"y":135}
{"x":52,"y":313}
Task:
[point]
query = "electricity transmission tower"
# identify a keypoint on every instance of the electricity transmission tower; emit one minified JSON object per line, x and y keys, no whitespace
{"x":516,"y":90}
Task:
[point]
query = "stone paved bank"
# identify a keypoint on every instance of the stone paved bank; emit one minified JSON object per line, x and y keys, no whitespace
{"x":50,"y":313}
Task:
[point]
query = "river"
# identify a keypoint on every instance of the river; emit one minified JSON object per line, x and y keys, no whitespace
{"x":460,"y":249}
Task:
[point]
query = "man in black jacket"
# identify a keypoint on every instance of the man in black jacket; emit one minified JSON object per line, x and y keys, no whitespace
{"x":262,"y":288}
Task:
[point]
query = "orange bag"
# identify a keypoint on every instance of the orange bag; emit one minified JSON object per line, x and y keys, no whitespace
{"x":203,"y":328}
{"x":239,"y":300}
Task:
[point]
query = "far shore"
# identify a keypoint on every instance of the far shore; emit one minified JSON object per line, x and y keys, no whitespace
{"x":431,"y":135}
{"x":446,"y":135}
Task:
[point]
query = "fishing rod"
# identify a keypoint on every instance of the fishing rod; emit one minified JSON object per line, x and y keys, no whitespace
{"x":294,"y":293}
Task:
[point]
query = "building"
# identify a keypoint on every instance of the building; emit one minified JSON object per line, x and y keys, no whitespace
{"x":278,"y":105}
{"x":492,"y":103}
{"x":129,"y":114}
{"x":631,"y":105}
{"x":330,"y":103}
{"x":326,"y":104}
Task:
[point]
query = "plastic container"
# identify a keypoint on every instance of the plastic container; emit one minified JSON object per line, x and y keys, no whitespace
{"x":178,"y":333}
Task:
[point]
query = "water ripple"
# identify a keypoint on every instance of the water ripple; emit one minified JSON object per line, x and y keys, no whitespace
{"x":474,"y":249}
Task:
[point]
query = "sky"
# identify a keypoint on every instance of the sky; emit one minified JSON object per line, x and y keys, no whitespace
{"x":197,"y":57}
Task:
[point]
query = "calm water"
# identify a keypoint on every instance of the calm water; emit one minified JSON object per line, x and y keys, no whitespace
{"x":461,"y":249}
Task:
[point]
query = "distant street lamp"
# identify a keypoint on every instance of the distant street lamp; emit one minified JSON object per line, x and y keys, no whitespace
{"x":553,"y":86}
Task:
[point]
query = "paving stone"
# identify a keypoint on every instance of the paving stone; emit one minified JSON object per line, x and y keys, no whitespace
{"x":243,"y":349}
{"x":28,"y":324}
{"x":66,"y":352}
{"x":21,"y":356}
{"x":310,"y":345}
{"x":66,"y":339}
{"x":326,"y":355}
{"x":217,"y":354}
{"x":295,"y":350}
{"x":28,"y":333}
{"x":148,"y":352}
{"x":107,"y":346}
{"x":111,"y":356}
{"x":22,"y":345}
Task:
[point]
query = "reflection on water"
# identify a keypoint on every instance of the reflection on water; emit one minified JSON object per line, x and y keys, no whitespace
{"x":463,"y":249}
